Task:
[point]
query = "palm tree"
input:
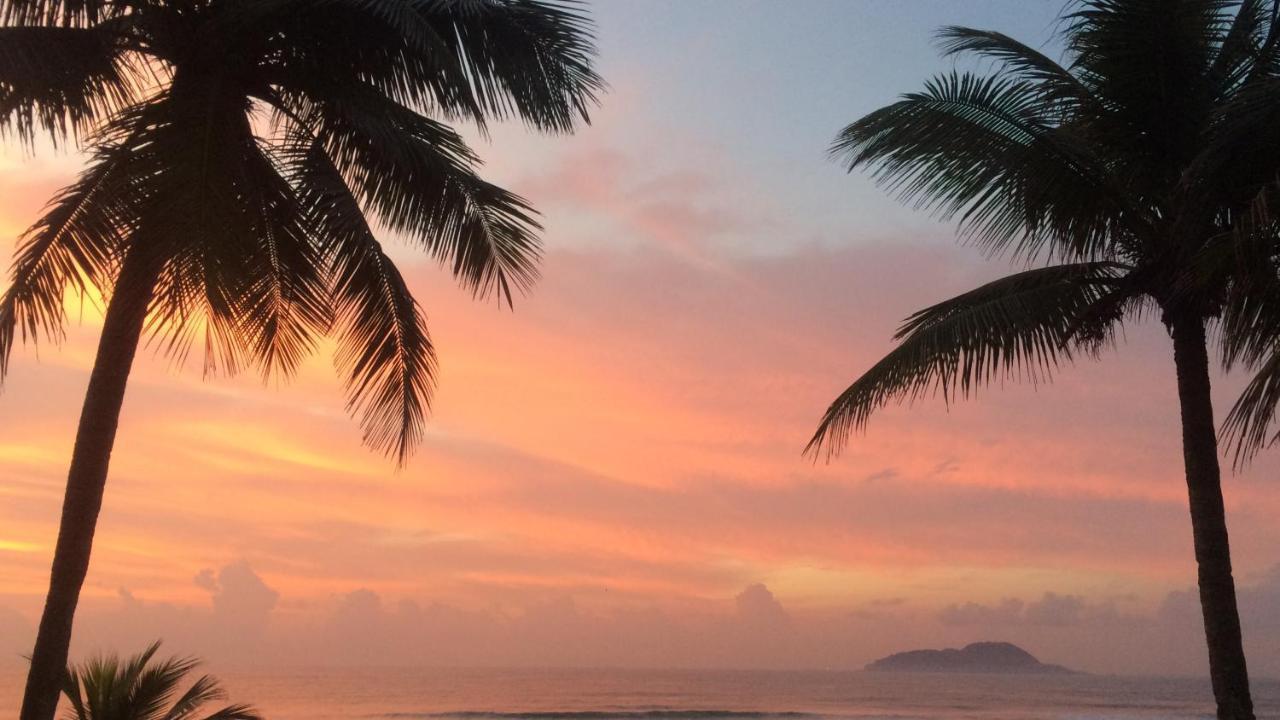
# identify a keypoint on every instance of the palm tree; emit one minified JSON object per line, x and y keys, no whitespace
{"x":104,"y":688}
{"x":242,"y":154}
{"x":1126,"y":178}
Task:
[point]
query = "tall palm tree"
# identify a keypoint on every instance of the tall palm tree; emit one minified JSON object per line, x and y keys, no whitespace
{"x":242,"y":154}
{"x":104,"y":688}
{"x":1127,"y":178}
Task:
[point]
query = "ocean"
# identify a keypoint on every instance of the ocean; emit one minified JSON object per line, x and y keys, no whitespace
{"x":434,"y":694}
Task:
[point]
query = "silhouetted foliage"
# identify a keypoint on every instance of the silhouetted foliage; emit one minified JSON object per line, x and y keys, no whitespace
{"x":242,"y":155}
{"x":1137,"y":176}
{"x":144,"y":688}
{"x":255,"y":147}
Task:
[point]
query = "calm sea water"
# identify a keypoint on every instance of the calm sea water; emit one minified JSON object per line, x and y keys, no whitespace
{"x":431,"y":694}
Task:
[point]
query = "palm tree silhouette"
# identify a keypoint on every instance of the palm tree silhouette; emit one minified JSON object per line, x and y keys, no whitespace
{"x":1127,"y":179}
{"x":104,"y":688}
{"x":242,"y":153}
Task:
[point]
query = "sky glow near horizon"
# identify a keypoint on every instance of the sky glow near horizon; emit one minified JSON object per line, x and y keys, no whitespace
{"x":612,"y":472}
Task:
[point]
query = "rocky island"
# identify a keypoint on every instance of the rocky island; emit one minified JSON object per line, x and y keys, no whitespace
{"x":979,"y":657}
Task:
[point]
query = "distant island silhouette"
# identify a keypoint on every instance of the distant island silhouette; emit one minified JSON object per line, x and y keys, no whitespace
{"x":979,"y":657}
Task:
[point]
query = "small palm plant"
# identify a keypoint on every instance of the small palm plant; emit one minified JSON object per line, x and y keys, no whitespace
{"x":142,"y":688}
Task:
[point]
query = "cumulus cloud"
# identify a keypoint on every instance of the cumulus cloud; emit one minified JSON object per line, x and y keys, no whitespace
{"x":1101,"y":635}
{"x":1055,"y":609}
{"x":1259,"y":601}
{"x":360,"y":627}
{"x":1051,"y":609}
{"x":757,"y":606}
{"x":234,"y":624}
{"x":242,"y":602}
{"x":750,"y":628}
{"x":1008,"y":612}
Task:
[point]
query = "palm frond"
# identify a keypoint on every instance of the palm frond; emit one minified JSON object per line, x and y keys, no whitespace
{"x":108,"y":683}
{"x":1250,"y":256}
{"x":143,"y":688}
{"x":154,"y":685}
{"x":1019,"y":327}
{"x":75,"y":244}
{"x":71,"y":684}
{"x":1242,"y":46}
{"x":527,"y":58}
{"x":983,"y":150}
{"x":62,"y":80}
{"x":284,"y":290}
{"x":417,"y":177}
{"x":1132,"y":54}
{"x":1240,"y":153}
{"x":240,"y":263}
{"x":56,"y":13}
{"x":235,"y":712}
{"x":1250,"y":426}
{"x":1250,"y":325}
{"x":469,"y":59}
{"x":1055,"y":84}
{"x":384,"y":348}
{"x":203,"y":691}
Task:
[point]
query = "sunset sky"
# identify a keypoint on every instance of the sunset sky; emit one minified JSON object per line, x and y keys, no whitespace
{"x":613,"y":470}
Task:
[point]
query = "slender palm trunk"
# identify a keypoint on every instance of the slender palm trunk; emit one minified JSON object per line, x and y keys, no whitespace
{"x":1209,"y":523}
{"x":86,"y":480}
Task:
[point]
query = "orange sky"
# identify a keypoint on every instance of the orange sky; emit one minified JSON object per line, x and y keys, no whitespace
{"x":612,"y":469}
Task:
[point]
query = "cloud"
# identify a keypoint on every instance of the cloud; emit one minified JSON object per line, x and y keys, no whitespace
{"x":1057,"y":610}
{"x":1102,"y":635}
{"x":758,"y":607}
{"x":1008,"y":612}
{"x":1051,"y":609}
{"x":749,"y":628}
{"x":242,"y":602}
{"x":1258,"y":598}
{"x":234,"y":622}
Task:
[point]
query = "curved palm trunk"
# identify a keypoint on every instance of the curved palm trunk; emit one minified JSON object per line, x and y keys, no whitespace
{"x":1209,"y":523}
{"x":86,"y":480}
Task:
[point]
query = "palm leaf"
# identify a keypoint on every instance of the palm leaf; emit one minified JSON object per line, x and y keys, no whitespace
{"x":62,"y":80}
{"x":1240,"y":154}
{"x":61,"y":13}
{"x":1055,"y":84}
{"x":1019,"y":327}
{"x":1131,"y":54}
{"x":384,"y":348}
{"x":1251,"y":323}
{"x":204,"y":690}
{"x":235,"y":712}
{"x":467,"y":59}
{"x":154,"y":685}
{"x":240,"y":263}
{"x":417,"y":177}
{"x":142,"y":688}
{"x":1250,"y":426}
{"x":284,"y":306}
{"x":527,"y":58}
{"x":984,"y":149}
{"x":74,"y":244}
{"x":1242,"y":46}
{"x":71,"y":684}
